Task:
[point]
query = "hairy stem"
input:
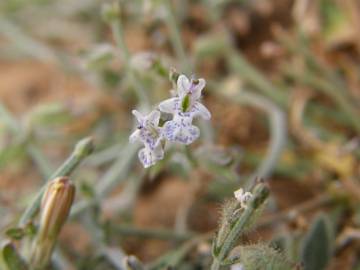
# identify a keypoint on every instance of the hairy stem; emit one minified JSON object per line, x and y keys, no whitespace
{"x":261,"y":192}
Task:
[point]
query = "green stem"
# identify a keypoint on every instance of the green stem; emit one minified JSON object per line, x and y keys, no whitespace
{"x":115,"y":175}
{"x":118,"y":171}
{"x":118,"y":33}
{"x":82,"y":149}
{"x":175,"y":37}
{"x":215,"y":265}
{"x":261,"y":192}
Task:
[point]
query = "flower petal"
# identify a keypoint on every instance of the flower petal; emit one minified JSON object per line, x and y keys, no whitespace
{"x":197,"y":88}
{"x":146,"y":158}
{"x":138,"y":115}
{"x":158,"y":152}
{"x":154,"y":117}
{"x":149,"y":157}
{"x":135,"y":136}
{"x":175,"y":131}
{"x":201,"y":110}
{"x":169,"y":106}
{"x":183,"y":85}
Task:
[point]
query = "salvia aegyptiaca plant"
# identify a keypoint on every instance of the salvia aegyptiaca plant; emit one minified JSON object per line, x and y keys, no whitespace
{"x":190,"y":107}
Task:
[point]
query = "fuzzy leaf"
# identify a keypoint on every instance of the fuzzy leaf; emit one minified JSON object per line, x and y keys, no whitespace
{"x":317,"y":245}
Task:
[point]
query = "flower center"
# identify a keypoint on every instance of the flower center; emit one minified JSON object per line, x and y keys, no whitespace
{"x":153,"y":131}
{"x":185,"y":103}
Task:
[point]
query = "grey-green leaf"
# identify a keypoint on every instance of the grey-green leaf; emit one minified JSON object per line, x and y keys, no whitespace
{"x":317,"y":246}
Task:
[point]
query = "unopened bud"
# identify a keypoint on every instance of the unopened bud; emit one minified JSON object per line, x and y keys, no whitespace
{"x":55,"y":208}
{"x":84,"y":147}
{"x":261,"y":192}
{"x":56,"y":204}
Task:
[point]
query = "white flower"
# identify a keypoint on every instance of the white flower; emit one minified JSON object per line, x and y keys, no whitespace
{"x":149,"y":133}
{"x":242,"y":197}
{"x":184,"y":107}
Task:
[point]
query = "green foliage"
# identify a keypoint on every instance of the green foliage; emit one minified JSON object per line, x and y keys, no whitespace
{"x":12,"y":259}
{"x":318,"y":245}
{"x":237,"y":220}
{"x":12,"y":153}
{"x":48,"y":115}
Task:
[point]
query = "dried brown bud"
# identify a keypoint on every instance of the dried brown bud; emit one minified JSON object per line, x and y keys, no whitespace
{"x":55,"y":208}
{"x":55,"y":205}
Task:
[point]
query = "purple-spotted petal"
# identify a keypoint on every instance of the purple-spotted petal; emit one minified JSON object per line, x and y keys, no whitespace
{"x":180,"y":131}
{"x":146,"y":158}
{"x":170,"y":105}
{"x":149,"y":157}
{"x":183,"y":85}
{"x":201,"y":110}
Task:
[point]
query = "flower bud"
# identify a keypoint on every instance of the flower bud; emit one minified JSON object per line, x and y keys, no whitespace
{"x":55,"y":208}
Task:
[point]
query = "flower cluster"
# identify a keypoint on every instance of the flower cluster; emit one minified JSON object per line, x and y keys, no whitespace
{"x":184,"y":107}
{"x":242,"y":197}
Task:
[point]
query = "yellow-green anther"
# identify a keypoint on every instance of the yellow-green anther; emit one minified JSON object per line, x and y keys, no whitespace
{"x":55,"y":208}
{"x":185,"y":103}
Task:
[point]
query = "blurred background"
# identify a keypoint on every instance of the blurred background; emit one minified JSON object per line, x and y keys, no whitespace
{"x":283,"y":87}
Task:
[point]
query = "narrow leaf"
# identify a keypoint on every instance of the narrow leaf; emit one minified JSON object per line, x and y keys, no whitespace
{"x":317,"y":246}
